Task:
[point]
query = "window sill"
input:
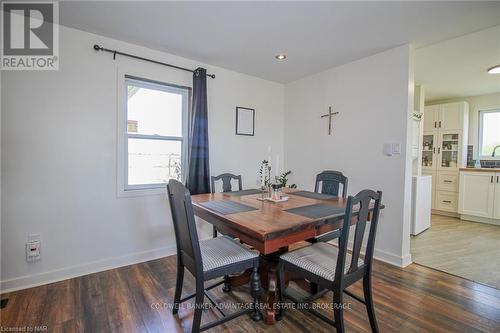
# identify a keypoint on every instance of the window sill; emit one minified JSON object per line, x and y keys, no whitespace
{"x":142,"y":192}
{"x":489,"y":158}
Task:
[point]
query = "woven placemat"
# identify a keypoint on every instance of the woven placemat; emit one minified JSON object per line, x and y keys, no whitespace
{"x":313,"y":195}
{"x":226,"y":207}
{"x":318,"y":211}
{"x":243,"y":192}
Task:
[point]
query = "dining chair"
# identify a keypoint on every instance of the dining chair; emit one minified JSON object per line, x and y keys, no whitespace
{"x":207,"y":260}
{"x":334,"y":268}
{"x":330,"y":182}
{"x":226,"y":179}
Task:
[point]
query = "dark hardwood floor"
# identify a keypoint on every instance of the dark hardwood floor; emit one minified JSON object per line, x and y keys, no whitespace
{"x":414,"y":299}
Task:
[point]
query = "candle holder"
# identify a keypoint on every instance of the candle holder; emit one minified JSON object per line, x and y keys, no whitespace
{"x":276,"y":191}
{"x":264,"y":192}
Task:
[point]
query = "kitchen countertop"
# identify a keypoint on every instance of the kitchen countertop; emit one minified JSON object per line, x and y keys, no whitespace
{"x":481,"y":169}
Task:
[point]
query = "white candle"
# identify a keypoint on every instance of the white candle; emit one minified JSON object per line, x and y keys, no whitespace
{"x":277,"y":165}
{"x":263,"y":176}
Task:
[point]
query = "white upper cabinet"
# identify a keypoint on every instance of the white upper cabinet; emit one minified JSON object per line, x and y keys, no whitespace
{"x":446,"y":117}
{"x":451,"y":116}
{"x":444,"y":145}
{"x":477,"y":193}
{"x":431,"y":114}
{"x":429,"y":150}
{"x":450,"y":150}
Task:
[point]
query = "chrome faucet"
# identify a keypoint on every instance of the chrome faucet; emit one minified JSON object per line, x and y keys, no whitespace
{"x":494,"y":149}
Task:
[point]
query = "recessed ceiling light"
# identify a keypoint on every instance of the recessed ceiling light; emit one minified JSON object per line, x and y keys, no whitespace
{"x":494,"y":70}
{"x":281,"y":56}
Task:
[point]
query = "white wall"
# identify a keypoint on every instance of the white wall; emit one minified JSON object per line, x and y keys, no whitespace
{"x":476,"y":103}
{"x":59,"y":147}
{"x":374,"y":97}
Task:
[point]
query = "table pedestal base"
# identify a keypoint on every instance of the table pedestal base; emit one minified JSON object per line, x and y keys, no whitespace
{"x":269,"y":281}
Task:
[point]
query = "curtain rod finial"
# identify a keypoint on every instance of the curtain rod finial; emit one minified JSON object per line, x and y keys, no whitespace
{"x":212,"y":76}
{"x":97,"y":47}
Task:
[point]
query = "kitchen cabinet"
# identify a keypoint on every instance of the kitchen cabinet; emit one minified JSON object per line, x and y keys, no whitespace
{"x":449,"y":152}
{"x":477,"y":193}
{"x":447,"y":182}
{"x":429,"y":151}
{"x":451,"y":116}
{"x":431,"y":116}
{"x":496,"y":198}
{"x":444,"y":151}
{"x":446,"y":201}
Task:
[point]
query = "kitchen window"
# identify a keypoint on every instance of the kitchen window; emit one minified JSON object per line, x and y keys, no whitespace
{"x":489,"y":133}
{"x":155,"y":133}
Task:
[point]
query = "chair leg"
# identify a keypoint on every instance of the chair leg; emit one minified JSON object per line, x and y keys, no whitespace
{"x":367,"y":288}
{"x":281,"y":289}
{"x":338,"y":312}
{"x":214,"y":232}
{"x":200,"y":296}
{"x":227,"y":284}
{"x":178,"y":288}
{"x":313,"y":288}
{"x":256,"y":292}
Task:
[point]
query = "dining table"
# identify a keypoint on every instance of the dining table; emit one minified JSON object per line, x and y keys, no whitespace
{"x":271,"y":228}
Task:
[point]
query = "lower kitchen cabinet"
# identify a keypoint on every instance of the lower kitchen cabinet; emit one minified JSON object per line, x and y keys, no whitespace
{"x":479,"y":194}
{"x":496,"y":198}
{"x":446,"y":201}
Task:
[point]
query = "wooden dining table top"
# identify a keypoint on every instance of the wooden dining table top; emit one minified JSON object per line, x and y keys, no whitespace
{"x":269,"y":227}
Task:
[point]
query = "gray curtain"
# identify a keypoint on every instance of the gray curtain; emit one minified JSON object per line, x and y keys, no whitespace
{"x":198,"y":177}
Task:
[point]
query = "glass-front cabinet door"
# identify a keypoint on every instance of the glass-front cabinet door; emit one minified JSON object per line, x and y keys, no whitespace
{"x":449,"y":150}
{"x":429,"y":150}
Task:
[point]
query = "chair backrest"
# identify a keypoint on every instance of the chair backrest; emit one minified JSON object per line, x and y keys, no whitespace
{"x":330,"y":183}
{"x":360,"y":202}
{"x":186,"y":237}
{"x":226,"y":182}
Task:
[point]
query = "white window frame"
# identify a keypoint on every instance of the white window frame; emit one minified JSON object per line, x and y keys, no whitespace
{"x":481,"y":112}
{"x":124,"y":189}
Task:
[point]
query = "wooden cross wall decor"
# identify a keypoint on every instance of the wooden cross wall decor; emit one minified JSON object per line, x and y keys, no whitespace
{"x":330,"y":114}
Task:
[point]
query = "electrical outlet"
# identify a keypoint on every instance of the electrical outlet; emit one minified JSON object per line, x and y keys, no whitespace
{"x":33,"y":248}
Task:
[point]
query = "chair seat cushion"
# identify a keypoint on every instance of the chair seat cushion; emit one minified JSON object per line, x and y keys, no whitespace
{"x":319,"y":259}
{"x":223,"y":251}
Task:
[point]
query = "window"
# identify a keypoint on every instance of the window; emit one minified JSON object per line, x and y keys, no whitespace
{"x":489,"y":133}
{"x":155,"y":144}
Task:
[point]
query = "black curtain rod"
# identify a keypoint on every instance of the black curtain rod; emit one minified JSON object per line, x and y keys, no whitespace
{"x":115,"y":52}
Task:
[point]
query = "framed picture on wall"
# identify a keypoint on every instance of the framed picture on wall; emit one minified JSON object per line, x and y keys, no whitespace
{"x":245,"y":121}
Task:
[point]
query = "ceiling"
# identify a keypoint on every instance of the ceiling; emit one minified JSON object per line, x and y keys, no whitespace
{"x":458,"y":67}
{"x":245,"y":36}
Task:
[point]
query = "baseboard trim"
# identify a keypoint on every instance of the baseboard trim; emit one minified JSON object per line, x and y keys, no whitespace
{"x":392,"y":258}
{"x":479,"y":219}
{"x":29,"y":281}
{"x":387,"y":257}
{"x":444,"y":213}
